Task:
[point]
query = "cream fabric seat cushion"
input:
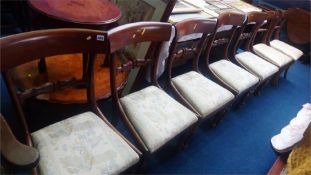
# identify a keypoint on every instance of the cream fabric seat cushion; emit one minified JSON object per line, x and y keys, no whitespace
{"x":233,"y":75}
{"x":256,"y":65}
{"x":286,"y":49}
{"x":156,"y":116}
{"x":82,"y":144}
{"x":203,"y":94}
{"x":272,"y":55}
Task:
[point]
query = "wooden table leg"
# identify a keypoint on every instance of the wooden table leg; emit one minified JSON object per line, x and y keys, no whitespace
{"x":42,"y":65}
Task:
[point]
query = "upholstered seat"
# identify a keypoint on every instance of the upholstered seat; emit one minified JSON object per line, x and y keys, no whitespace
{"x":287,"y":49}
{"x":203,"y":94}
{"x":233,"y":75}
{"x":256,"y":65}
{"x":272,"y":55}
{"x":82,"y":144}
{"x":156,"y":116}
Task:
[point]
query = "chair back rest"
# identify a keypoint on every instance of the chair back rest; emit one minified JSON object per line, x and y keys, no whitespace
{"x":198,"y":28}
{"x":282,"y":19}
{"x":135,"y":33}
{"x":256,"y":17}
{"x":233,"y":19}
{"x":273,"y":17}
{"x":192,"y":26}
{"x":23,"y":48}
{"x":249,"y":31}
{"x":230,"y":18}
{"x":26,"y":47}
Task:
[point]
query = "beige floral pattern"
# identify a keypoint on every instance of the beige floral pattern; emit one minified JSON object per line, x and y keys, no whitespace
{"x":203,"y":94}
{"x":235,"y":76}
{"x":81,"y":145}
{"x":287,"y":49}
{"x":156,"y":116}
{"x":272,"y":55}
{"x":256,"y":65}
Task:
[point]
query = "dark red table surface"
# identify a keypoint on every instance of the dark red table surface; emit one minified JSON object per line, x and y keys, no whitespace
{"x":94,"y":12}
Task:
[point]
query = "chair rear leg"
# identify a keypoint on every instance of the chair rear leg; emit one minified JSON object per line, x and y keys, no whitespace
{"x":246,"y":97}
{"x":142,"y":165}
{"x":275,"y":79}
{"x":259,"y":89}
{"x":240,"y":102}
{"x":286,"y":70}
{"x":115,"y":118}
{"x":219,"y":118}
{"x":187,"y":137}
{"x":42,"y":65}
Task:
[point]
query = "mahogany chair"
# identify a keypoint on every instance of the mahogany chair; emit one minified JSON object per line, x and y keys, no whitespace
{"x":239,"y":81}
{"x":194,"y":90}
{"x":152,"y":116}
{"x":281,"y":60}
{"x":82,"y":144}
{"x":279,"y":45}
{"x":264,"y":70}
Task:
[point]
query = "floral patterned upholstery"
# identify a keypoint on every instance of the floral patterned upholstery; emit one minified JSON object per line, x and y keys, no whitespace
{"x":156,"y":116}
{"x":287,"y":49}
{"x":233,"y":75}
{"x":203,"y":94}
{"x":272,"y":55}
{"x":82,"y":144}
{"x":258,"y":66}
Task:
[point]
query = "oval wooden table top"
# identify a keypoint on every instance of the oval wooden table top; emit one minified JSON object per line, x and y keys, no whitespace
{"x":93,"y":12}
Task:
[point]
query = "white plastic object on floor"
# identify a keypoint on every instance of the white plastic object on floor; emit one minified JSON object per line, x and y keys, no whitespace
{"x":284,"y":142}
{"x":292,"y":133}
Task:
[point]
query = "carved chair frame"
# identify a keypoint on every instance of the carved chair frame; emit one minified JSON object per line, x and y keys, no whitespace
{"x":275,"y":21}
{"x":236,"y":20}
{"x":26,"y":47}
{"x":254,"y":21}
{"x":184,"y":28}
{"x":155,"y":32}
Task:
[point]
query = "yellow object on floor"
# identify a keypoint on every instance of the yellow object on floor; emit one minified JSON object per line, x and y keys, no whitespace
{"x":299,"y":160}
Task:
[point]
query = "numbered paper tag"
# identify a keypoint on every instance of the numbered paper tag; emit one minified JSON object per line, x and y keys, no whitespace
{"x":100,"y":38}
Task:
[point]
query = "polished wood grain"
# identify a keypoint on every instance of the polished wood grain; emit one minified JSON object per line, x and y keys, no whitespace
{"x":92,"y":14}
{"x":97,"y":12}
{"x":66,"y":67}
{"x":278,"y":166}
{"x":298,"y":26}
